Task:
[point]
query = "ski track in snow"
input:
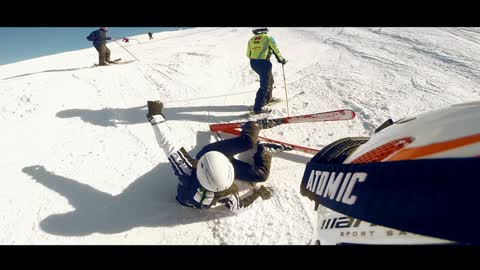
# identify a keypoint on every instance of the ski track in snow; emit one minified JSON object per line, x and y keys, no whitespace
{"x":83,"y":165}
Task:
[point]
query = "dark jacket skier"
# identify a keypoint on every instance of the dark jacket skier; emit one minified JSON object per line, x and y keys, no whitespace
{"x":99,"y":42}
{"x":150,"y":35}
{"x":208,"y":179}
{"x":260,"y":47}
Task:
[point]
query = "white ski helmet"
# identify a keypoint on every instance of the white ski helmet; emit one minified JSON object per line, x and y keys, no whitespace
{"x":420,"y":174}
{"x":258,"y":30}
{"x":215,"y":171}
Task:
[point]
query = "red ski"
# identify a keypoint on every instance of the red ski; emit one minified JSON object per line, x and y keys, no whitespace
{"x":316,"y":117}
{"x":294,"y":146}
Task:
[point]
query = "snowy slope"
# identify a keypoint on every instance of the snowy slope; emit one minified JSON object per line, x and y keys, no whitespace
{"x":81,"y":165}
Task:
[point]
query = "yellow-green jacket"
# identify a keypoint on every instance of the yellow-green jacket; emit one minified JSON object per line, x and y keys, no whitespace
{"x":261,"y":46}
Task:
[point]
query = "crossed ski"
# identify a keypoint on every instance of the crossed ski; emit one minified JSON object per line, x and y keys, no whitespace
{"x":316,"y":117}
{"x":232,"y":128}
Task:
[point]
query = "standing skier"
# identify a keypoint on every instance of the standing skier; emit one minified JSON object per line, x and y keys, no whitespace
{"x":208,"y":180}
{"x":260,"y":48}
{"x":99,"y":38}
{"x":150,"y":35}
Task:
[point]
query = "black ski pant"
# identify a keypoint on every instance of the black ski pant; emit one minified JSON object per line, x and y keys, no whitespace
{"x":103,"y":54}
{"x":247,"y":140}
{"x":263,"y":67}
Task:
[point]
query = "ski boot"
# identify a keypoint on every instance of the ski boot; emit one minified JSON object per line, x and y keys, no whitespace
{"x":263,"y":110}
{"x":265,"y":123}
{"x":273,"y":101}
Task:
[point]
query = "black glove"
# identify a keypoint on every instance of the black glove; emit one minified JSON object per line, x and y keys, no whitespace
{"x":154,"y":108}
{"x":282,"y":61}
{"x":265,"y":192}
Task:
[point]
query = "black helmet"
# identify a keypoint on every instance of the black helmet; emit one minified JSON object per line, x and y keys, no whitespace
{"x":258,"y":30}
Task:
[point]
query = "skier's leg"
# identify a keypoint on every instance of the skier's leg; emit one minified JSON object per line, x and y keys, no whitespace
{"x":230,"y":147}
{"x":262,"y":94}
{"x":260,"y":99}
{"x":254,"y":173}
{"x":270,"y":84}
{"x":264,"y":68}
{"x":101,"y":55}
{"x":107,"y":54}
{"x":259,"y":66}
{"x":98,"y":49}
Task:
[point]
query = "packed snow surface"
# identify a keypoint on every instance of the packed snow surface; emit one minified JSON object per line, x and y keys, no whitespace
{"x":81,"y":165}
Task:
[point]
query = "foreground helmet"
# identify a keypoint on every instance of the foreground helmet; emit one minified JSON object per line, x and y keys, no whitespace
{"x":258,"y":30}
{"x":215,"y":171}
{"x":412,"y":182}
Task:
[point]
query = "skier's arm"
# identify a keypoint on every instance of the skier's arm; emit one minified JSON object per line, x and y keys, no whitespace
{"x":248,"y":50}
{"x":273,"y":46}
{"x":181,"y":161}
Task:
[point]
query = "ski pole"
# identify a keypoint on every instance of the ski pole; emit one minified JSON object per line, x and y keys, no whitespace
{"x":126,"y":50}
{"x":286,"y":95}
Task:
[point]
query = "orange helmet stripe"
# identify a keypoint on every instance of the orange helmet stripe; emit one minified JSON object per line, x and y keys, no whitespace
{"x":380,"y":153}
{"x":434,"y":148}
